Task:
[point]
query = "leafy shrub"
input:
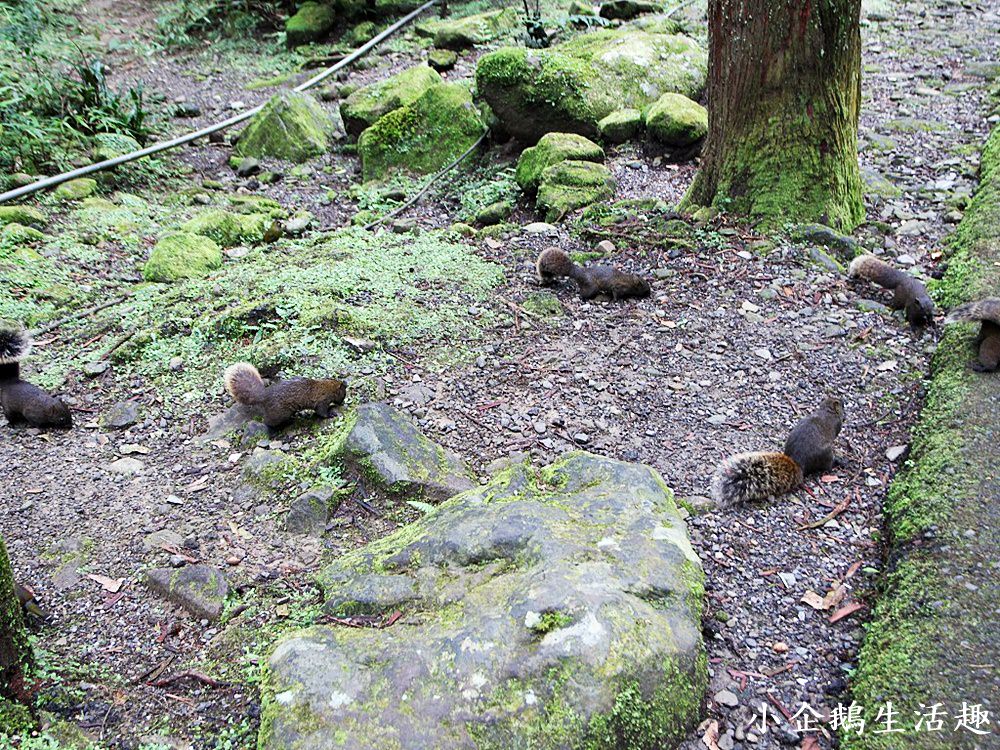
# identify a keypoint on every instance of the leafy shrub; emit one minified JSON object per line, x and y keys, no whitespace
{"x":182,"y":22}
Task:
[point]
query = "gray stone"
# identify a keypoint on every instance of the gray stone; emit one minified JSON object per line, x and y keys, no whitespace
{"x":93,"y":369}
{"x":126,"y":466}
{"x":200,"y":589}
{"x":386,"y":448}
{"x":259,"y":459}
{"x":309,"y":512}
{"x":843,"y":246}
{"x":572,"y":589}
{"x":162,"y":538}
{"x":236,"y":417}
{"x":121,"y":415}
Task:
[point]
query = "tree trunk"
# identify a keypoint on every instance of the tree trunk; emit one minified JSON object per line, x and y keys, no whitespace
{"x":784,"y":92}
{"x":16,"y":658}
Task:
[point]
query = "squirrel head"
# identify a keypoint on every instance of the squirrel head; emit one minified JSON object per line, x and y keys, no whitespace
{"x":328,"y":393}
{"x":834,"y":406}
{"x":920,"y":311}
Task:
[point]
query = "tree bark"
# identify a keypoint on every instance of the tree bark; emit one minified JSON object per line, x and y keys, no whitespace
{"x":784,"y":93}
{"x":16,"y":659}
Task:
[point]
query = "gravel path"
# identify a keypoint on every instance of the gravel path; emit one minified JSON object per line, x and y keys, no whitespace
{"x":730,"y":349}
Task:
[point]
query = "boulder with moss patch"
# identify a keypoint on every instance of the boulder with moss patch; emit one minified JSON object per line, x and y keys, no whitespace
{"x":442,"y":59}
{"x":479,"y":28}
{"x":572,"y":86}
{"x":551,"y":608}
{"x":675,"y":120}
{"x":28,"y":216}
{"x":551,"y":149}
{"x":571,"y":184}
{"x":18,"y":234}
{"x":292,"y":126}
{"x":311,"y":22}
{"x":113,"y":145}
{"x":366,"y":105}
{"x":423,"y":136}
{"x":626,"y":10}
{"x":75,"y":190}
{"x":182,"y":255}
{"x":228,"y":229}
{"x":621,"y":125}
{"x":387,"y":451}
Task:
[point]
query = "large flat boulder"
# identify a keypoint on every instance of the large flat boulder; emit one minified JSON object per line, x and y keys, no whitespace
{"x":423,"y":136}
{"x":572,"y":86}
{"x":468,"y":31}
{"x":553,"y":608}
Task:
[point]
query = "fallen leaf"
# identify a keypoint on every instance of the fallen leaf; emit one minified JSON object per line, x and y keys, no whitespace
{"x":834,"y":596}
{"x":813,"y":599}
{"x":829,"y":478}
{"x":111,"y":585}
{"x":809,"y":743}
{"x":847,"y":609}
{"x":711,"y":737}
{"x":887,"y":365}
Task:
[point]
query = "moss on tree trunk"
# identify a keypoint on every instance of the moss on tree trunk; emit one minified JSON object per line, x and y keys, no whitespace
{"x":784,"y":91}
{"x":16,"y":658}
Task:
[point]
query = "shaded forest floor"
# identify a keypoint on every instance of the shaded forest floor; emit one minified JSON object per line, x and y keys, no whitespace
{"x":742,"y":335}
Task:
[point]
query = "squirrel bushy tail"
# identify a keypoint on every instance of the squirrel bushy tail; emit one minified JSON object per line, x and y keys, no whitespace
{"x":984,"y":309}
{"x":15,"y":345}
{"x":244,"y":383}
{"x":754,"y":476}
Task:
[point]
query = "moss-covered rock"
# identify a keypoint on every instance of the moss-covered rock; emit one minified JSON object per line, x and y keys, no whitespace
{"x":569,"y":185}
{"x":462,"y":33}
{"x":365,"y":106}
{"x":495,"y":213}
{"x":542,"y":304}
{"x":675,"y":120}
{"x":424,"y":136}
{"x":182,"y":255}
{"x":573,"y":86}
{"x":293,"y":126}
{"x":581,"y":8}
{"x":310,"y":23}
{"x":18,"y":234}
{"x":26,"y":215}
{"x":75,"y":190}
{"x":621,"y":125}
{"x":361,"y":33}
{"x":113,"y":145}
{"x":228,"y":229}
{"x":442,"y":59}
{"x":551,"y":149}
{"x":550,"y":609}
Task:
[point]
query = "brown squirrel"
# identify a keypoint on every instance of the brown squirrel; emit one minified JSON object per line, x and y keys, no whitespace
{"x":809,"y":448}
{"x":278,"y":402}
{"x":987,"y":312}
{"x":22,"y":401}
{"x":553,"y":262}
{"x":909,"y":294}
{"x":28,"y":602}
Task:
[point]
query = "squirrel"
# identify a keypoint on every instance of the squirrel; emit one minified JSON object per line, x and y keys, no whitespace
{"x":987,"y":312}
{"x":909,"y":293}
{"x":809,"y":448}
{"x":553,"y":262}
{"x":279,"y":402}
{"x":28,"y":602}
{"x":22,"y":401}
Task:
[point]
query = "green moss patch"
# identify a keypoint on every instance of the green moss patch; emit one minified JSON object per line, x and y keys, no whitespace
{"x":364,"y":107}
{"x":424,"y":136}
{"x":182,"y":255}
{"x":311,"y":22}
{"x":572,"y":184}
{"x":675,"y":120}
{"x":551,"y":149}
{"x":934,"y":634}
{"x":292,"y":126}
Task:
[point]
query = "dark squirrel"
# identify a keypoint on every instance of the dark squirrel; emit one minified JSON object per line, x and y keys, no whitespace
{"x":278,"y":403}
{"x":22,"y":401}
{"x":808,"y":449}
{"x":553,"y":262}
{"x":909,"y":294}
{"x":987,"y":313}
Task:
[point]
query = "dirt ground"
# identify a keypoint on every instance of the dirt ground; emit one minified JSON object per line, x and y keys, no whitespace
{"x":729,"y":350}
